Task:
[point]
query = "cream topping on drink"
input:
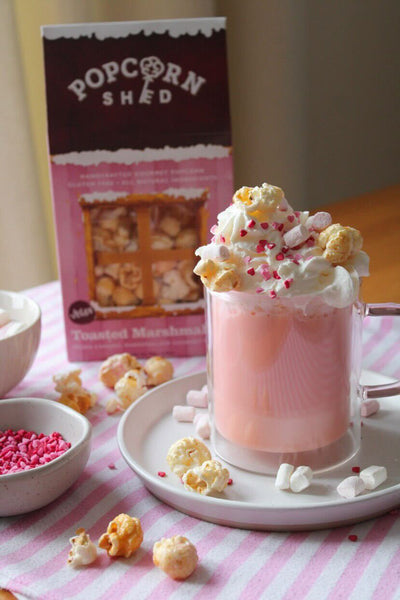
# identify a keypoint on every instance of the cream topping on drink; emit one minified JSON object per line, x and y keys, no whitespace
{"x":261,"y":245}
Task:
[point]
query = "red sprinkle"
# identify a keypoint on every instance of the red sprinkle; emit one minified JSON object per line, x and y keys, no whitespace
{"x":272,"y":293}
{"x":271,"y":245}
{"x":222,"y":239}
{"x":290,"y":218}
{"x":23,"y":450}
{"x":353,"y":537}
{"x":297,"y":213}
{"x":251,"y":271}
{"x":243,"y":232}
{"x":230,"y":481}
{"x":276,"y":275}
{"x":277,"y":226}
{"x":161,"y":474}
{"x":280,"y":256}
{"x":112,"y":466}
{"x":259,"y":290}
{"x":264,"y":225}
{"x":287,"y":283}
{"x":251,"y":224}
{"x":355,"y":469}
{"x":260,"y":248}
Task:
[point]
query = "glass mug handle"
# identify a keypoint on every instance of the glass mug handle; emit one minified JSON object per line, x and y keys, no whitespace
{"x":388,"y":389}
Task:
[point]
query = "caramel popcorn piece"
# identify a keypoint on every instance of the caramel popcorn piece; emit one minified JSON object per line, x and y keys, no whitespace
{"x":218,"y":277}
{"x":339,"y":243}
{"x":115,"y":367}
{"x":72,"y":393}
{"x":159,"y":370}
{"x":186,"y":454}
{"x":123,"y":537}
{"x":260,"y":200}
{"x":130,"y":387}
{"x":83,"y":551}
{"x":207,"y":478}
{"x":176,"y":556}
{"x":104,"y":290}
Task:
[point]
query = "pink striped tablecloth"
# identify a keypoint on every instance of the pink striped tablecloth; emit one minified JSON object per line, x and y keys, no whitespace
{"x":234,"y":563}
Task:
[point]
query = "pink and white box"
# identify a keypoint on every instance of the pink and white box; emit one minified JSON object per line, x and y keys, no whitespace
{"x":140,"y":163}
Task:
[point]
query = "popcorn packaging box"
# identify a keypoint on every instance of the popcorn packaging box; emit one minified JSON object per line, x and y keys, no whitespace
{"x":140,"y":163}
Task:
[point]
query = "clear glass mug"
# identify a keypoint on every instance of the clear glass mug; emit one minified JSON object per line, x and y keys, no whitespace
{"x":284,"y":379}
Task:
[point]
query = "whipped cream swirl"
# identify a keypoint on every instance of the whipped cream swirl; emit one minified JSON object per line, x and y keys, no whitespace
{"x":261,"y":245}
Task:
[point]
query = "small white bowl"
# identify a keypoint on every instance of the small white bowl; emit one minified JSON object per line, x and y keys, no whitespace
{"x":17,"y":351}
{"x":25,"y":491}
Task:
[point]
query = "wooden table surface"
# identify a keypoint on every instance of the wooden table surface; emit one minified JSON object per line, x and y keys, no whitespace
{"x":377,"y":216}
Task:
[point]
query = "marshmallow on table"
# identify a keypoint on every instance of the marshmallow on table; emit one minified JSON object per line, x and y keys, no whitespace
{"x":282,"y":481}
{"x":183,"y":413}
{"x":319,"y":221}
{"x":301,"y":479}
{"x":296,"y":236}
{"x":4,"y":317}
{"x":373,"y":476}
{"x":202,"y":425}
{"x":197,"y":398}
{"x":351,"y":487}
{"x":369,"y":407}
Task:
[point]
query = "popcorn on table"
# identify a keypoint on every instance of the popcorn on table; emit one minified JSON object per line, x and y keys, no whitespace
{"x":72,"y":393}
{"x":187,"y":453}
{"x":123,"y":537}
{"x":206,"y":478}
{"x":83,"y":551}
{"x":115,"y":367}
{"x":130,"y":387}
{"x":159,"y":370}
{"x":176,"y":556}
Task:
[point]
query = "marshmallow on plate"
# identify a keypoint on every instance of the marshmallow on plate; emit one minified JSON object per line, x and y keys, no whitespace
{"x":301,"y":479}
{"x":197,"y":398}
{"x":373,"y":476}
{"x":202,"y":425}
{"x":282,"y":481}
{"x":183,"y":413}
{"x":351,"y":487}
{"x":369,"y":407}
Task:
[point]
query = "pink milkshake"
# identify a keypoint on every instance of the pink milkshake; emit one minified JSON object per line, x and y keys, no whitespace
{"x":281,"y":380}
{"x":284,"y":331}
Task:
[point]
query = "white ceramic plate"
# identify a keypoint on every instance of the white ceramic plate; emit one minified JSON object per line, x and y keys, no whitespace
{"x":147,"y":430}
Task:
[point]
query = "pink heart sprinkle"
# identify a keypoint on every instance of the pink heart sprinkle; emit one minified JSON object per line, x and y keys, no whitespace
{"x":251,"y":224}
{"x":243,"y":232}
{"x":251,"y":271}
{"x":271,"y":245}
{"x":264,"y":225}
{"x":276,"y":275}
{"x":280,"y":256}
{"x":272,"y":293}
{"x":259,"y":291}
{"x":290,"y":218}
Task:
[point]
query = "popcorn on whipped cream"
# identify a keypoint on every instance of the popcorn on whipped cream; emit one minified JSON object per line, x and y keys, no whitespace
{"x":261,"y":245}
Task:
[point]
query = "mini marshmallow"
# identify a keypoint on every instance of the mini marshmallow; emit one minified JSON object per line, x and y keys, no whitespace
{"x":296,"y":236}
{"x":202,"y":426}
{"x":183,"y":413}
{"x":373,"y":476}
{"x":351,"y":487}
{"x":4,"y":317}
{"x":197,"y":398}
{"x":301,"y":479}
{"x":282,"y":481}
{"x":213,"y":252}
{"x":319,"y":221}
{"x":369,"y":407}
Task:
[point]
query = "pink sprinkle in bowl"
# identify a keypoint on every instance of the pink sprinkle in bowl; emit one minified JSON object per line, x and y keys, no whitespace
{"x":29,"y":490}
{"x":18,"y":350}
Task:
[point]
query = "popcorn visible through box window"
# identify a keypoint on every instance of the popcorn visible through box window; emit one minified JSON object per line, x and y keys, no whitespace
{"x":207,"y":478}
{"x":83,"y":551}
{"x":176,"y":556}
{"x":187,"y":453}
{"x":72,"y":393}
{"x":123,"y":537}
{"x":115,"y":367}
